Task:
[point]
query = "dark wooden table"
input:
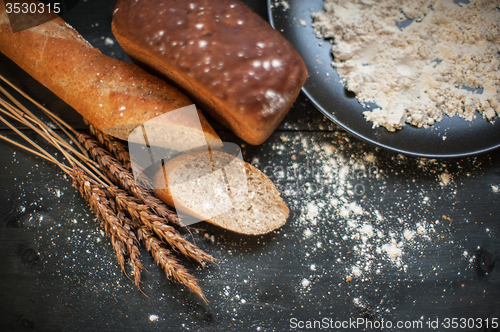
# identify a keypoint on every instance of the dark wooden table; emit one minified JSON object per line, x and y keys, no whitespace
{"x":372,"y":235}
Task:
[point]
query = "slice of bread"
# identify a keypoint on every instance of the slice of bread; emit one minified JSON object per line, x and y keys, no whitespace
{"x":222,"y":190}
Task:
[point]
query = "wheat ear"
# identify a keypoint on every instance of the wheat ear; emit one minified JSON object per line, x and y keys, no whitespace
{"x":164,"y":258}
{"x":95,"y":194}
{"x":114,"y":146}
{"x":142,"y":216}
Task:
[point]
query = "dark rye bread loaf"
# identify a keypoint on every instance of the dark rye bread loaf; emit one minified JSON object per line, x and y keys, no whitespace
{"x":113,"y":95}
{"x":226,"y":57}
{"x":257,"y":207}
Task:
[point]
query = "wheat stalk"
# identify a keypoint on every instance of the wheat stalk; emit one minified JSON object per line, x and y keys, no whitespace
{"x":161,"y":255}
{"x":164,"y":258}
{"x":119,"y":151}
{"x":126,"y":219}
{"x":123,"y":242}
{"x":42,"y":125}
{"x":133,"y":255}
{"x":114,"y":146}
{"x":125,"y":179}
{"x":32,"y":122}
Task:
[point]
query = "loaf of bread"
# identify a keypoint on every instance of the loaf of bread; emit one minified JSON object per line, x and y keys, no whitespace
{"x":222,"y":54}
{"x":114,"y":96}
{"x":193,"y":184}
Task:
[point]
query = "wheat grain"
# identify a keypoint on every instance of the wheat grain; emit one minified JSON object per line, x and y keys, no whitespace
{"x":143,"y":216}
{"x":113,"y":146}
{"x":95,"y":195}
{"x":126,"y":219}
{"x":164,"y":258}
{"x":118,"y":174}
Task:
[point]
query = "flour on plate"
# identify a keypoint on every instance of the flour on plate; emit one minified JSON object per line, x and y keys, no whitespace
{"x":445,"y":62}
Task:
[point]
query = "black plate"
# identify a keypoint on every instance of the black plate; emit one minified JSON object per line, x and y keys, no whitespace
{"x":452,"y":137}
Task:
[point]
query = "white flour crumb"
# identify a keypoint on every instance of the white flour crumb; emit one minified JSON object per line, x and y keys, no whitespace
{"x":444,"y":63}
{"x":303,"y":22}
{"x":369,"y":158}
{"x":305,"y":283}
{"x":153,"y":318}
{"x":355,"y":208}
{"x":283,"y":3}
{"x":312,"y":211}
{"x":356,"y":301}
{"x":494,"y":188}
{"x":409,"y":235}
{"x":421,"y":229}
{"x":392,"y":250}
{"x":356,"y":271}
{"x":351,"y":208}
{"x":308,"y":233}
{"x":367,"y":230}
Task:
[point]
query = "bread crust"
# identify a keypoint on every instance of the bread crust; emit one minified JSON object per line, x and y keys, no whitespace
{"x":113,"y":95}
{"x":222,"y":54}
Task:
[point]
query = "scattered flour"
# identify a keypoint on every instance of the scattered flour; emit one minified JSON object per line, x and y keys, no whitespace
{"x":312,"y":211}
{"x":308,"y":233}
{"x":494,"y":188}
{"x":445,"y":178}
{"x":446,"y":62}
{"x":283,"y":3}
{"x":409,"y":235}
{"x":392,"y":250}
{"x":347,"y":205}
{"x":367,"y":231}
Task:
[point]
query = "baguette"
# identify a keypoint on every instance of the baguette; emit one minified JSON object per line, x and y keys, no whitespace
{"x":257,"y":206}
{"x":222,"y":54}
{"x":114,"y":96}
